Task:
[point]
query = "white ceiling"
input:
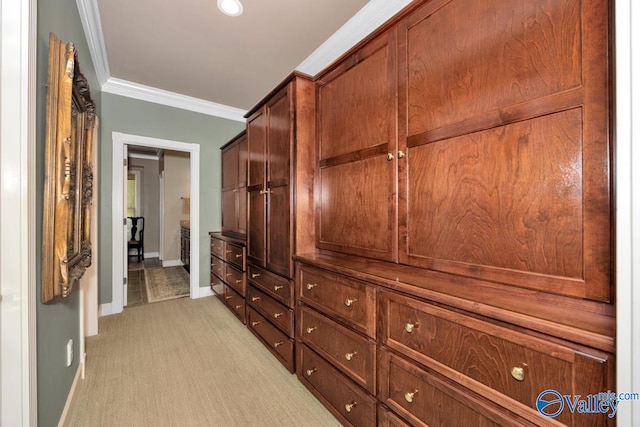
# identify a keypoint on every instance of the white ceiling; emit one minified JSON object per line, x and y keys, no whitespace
{"x":187,"y":54}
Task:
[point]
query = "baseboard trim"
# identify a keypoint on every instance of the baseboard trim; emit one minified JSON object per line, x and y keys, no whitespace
{"x":172,"y":263}
{"x":63,"y":416}
{"x":106,"y":309}
{"x":203,"y":292}
{"x":151,"y":255}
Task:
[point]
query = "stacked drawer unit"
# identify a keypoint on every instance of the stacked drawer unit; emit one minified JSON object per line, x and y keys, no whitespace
{"x":270,"y":313}
{"x":228,"y":272}
{"x":336,"y":352}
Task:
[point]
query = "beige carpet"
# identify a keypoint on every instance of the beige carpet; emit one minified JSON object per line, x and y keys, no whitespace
{"x":165,"y":283}
{"x":187,"y":363}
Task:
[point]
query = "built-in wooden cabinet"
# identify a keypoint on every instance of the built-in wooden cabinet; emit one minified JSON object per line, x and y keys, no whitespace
{"x":228,"y":272}
{"x":185,"y":246}
{"x":281,"y":165}
{"x":234,"y":187}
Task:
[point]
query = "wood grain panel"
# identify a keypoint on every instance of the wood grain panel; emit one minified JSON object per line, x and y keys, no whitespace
{"x":468,"y":58}
{"x":256,"y":228}
{"x":257,"y":146}
{"x":279,"y":236}
{"x":357,"y":101}
{"x":507,"y":201}
{"x":357,"y":208}
{"x":279,"y":137}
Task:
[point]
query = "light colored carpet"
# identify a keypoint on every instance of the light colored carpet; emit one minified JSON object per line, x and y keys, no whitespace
{"x":165,"y":283}
{"x":187,"y":363}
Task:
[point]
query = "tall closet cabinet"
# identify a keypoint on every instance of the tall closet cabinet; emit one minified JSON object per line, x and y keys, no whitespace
{"x":281,"y":164}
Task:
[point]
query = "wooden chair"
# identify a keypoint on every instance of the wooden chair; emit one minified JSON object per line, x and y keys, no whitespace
{"x":137,"y":242}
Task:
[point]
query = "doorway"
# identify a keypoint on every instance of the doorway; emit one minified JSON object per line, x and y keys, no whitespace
{"x":119,"y":270}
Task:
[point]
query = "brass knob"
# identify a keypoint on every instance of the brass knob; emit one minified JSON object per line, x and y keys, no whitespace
{"x":309,"y":330}
{"x":517,"y":373}
{"x":311,"y":285}
{"x":400,"y":154}
{"x":276,"y":315}
{"x":254,"y":299}
{"x":349,"y":356}
{"x":409,"y":327}
{"x":254,"y":275}
{"x":311,"y":371}
{"x":408,"y":396}
{"x":349,"y":406}
{"x":255,"y":323}
{"x":277,"y":287}
{"x":277,"y":344}
{"x":348,"y":302}
{"x":389,"y":156}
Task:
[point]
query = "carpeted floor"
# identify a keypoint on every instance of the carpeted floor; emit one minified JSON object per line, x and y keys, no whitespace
{"x":187,"y":363}
{"x":165,"y":283}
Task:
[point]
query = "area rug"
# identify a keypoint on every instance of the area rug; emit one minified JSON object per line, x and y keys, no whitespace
{"x":165,"y":283}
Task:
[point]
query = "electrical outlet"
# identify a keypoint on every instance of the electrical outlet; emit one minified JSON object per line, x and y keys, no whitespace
{"x":69,"y":353}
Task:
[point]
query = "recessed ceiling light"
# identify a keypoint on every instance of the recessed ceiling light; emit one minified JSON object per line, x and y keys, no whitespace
{"x":230,"y":7}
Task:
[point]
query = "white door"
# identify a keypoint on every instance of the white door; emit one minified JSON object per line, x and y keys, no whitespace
{"x":125,"y":239}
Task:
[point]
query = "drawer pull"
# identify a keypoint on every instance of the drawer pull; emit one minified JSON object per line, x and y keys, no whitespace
{"x":254,"y":299}
{"x":229,"y":274}
{"x":238,"y":307}
{"x":277,"y":344}
{"x":277,"y":287}
{"x":238,"y":255}
{"x":311,"y":371}
{"x":276,"y":315}
{"x":256,"y":323}
{"x":409,"y":327}
{"x":349,"y":356}
{"x":228,"y":252}
{"x":228,"y":297}
{"x":349,"y":302}
{"x":517,"y":373}
{"x":349,"y":406}
{"x":254,"y":275}
{"x":408,"y":396}
{"x":311,"y":285}
{"x":239,"y":281}
{"x":309,"y":330}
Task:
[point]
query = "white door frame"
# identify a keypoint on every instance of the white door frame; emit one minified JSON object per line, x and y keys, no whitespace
{"x":18,"y":288}
{"x":118,"y":245}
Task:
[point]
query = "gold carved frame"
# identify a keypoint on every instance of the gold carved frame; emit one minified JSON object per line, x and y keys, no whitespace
{"x":68,"y":181}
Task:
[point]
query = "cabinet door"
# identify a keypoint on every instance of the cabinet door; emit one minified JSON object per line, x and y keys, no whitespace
{"x":357,"y":149}
{"x":278,"y":169}
{"x":505,"y":110}
{"x":229,"y":188}
{"x":241,"y":194}
{"x":256,"y":221}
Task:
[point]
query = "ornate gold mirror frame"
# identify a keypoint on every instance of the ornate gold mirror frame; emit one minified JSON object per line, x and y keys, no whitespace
{"x":68,"y":181}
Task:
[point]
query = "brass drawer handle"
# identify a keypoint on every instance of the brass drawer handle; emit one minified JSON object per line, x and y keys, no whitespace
{"x":408,"y":396}
{"x":229,"y":274}
{"x":349,"y":302}
{"x":349,"y":406}
{"x":239,"y":281}
{"x":409,"y":327}
{"x":228,"y":252}
{"x":311,"y":371}
{"x":254,"y":275}
{"x":238,"y":255}
{"x":277,"y":287}
{"x":276,"y":315}
{"x":254,"y":299}
{"x":309,"y":330}
{"x":277,"y":344}
{"x":311,"y":285}
{"x":256,"y":323}
{"x":238,"y":307}
{"x":349,"y":356}
{"x":228,"y":297}
{"x":517,"y":373}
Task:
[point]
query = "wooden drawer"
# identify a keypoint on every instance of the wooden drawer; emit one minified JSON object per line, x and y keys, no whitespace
{"x":352,"y":301}
{"x":218,"y":267}
{"x":279,"y":314}
{"x":276,"y":286}
{"x":427,"y":400}
{"x":234,"y":254}
{"x":236,"y":303}
{"x":217,"y":247}
{"x":491,"y":359}
{"x":352,"y":353}
{"x":236,"y":279}
{"x":348,"y":402}
{"x":386,"y":418}
{"x":217,"y":286}
{"x":276,"y":341}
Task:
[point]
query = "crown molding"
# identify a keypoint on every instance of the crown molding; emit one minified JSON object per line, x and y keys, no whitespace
{"x":363,"y":23}
{"x":172,"y":99}
{"x":90,"y":17}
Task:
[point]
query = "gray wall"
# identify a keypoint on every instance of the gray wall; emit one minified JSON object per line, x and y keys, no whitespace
{"x":130,"y":116}
{"x":58,"y":321}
